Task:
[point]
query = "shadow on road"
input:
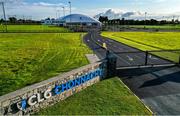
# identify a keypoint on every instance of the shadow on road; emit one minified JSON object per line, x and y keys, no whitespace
{"x":174,"y":77}
{"x":151,"y":82}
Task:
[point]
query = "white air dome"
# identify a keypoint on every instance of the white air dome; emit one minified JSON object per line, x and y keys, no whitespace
{"x":79,"y":18}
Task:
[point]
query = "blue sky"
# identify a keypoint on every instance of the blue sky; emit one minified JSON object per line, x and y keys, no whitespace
{"x":38,"y":9}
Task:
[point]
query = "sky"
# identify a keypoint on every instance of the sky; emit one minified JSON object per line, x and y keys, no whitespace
{"x":40,"y":9}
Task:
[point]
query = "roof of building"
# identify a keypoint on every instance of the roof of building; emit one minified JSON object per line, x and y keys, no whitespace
{"x":78,"y":18}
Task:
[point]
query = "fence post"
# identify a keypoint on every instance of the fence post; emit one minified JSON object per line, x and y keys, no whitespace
{"x":146,"y":58}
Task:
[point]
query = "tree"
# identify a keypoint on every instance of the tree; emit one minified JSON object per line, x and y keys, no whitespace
{"x":1,"y":20}
{"x":123,"y":21}
{"x":177,"y":21}
{"x":12,"y":19}
{"x":48,"y":18}
{"x":103,"y":19}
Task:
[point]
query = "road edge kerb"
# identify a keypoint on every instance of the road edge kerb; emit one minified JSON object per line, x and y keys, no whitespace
{"x":147,"y":107}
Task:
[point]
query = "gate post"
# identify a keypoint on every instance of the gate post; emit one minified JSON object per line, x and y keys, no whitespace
{"x":111,"y":64}
{"x":146,"y":58}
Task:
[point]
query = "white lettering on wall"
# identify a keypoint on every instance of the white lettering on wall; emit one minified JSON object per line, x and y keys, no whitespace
{"x":32,"y":102}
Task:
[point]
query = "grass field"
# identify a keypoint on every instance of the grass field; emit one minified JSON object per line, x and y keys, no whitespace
{"x":30,"y":58}
{"x":108,"y":97}
{"x":33,"y":28}
{"x":150,"y":41}
{"x":164,"y":27}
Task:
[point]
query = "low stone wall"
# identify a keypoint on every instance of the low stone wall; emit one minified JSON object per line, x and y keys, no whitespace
{"x":32,"y":98}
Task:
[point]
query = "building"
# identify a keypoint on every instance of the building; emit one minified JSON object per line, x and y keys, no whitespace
{"x":79,"y":19}
{"x":74,"y":20}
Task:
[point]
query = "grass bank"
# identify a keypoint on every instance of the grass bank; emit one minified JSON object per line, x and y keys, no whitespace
{"x":108,"y":97}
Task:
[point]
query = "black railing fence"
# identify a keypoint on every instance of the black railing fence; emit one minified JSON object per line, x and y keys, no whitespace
{"x":147,"y":58}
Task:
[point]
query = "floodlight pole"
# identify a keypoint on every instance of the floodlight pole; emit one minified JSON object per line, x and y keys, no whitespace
{"x":4,"y":13}
{"x":70,"y":9}
{"x":63,"y":10}
{"x":114,"y":22}
{"x":173,"y":19}
{"x":58,"y":13}
{"x":145,"y":19}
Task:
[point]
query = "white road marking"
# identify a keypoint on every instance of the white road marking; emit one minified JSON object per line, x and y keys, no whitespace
{"x":131,"y":59}
{"x":151,"y":57}
{"x":123,"y":60}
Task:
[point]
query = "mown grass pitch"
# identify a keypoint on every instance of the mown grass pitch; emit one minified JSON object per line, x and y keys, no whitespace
{"x":30,"y":58}
{"x":162,"y":27}
{"x":33,"y":28}
{"x":109,"y":97}
{"x":150,"y":41}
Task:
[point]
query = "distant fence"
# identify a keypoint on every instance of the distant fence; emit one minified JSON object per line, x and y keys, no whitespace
{"x":32,"y":98}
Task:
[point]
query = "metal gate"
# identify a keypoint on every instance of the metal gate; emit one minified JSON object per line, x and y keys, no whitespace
{"x":146,"y":58}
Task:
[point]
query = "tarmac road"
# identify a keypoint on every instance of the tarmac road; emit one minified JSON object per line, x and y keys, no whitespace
{"x":126,"y":55}
{"x":157,"y":87}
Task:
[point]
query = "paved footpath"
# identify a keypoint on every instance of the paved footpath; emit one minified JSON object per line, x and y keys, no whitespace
{"x":92,"y":58}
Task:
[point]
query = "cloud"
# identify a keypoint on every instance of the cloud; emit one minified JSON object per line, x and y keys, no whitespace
{"x":45,"y":4}
{"x":40,"y":10}
{"x":114,"y":14}
{"x":37,"y":11}
{"x":128,"y":14}
{"x":136,"y":15}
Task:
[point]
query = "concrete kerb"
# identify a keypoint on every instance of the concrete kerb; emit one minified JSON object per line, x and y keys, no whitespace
{"x":92,"y":58}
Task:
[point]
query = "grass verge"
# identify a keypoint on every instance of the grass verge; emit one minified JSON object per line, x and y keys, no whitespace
{"x":108,"y":97}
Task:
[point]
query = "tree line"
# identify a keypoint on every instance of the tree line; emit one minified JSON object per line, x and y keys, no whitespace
{"x":124,"y":21}
{"x":14,"y":20}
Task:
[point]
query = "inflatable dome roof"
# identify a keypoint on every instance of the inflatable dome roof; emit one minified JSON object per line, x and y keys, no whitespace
{"x":79,"y":18}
